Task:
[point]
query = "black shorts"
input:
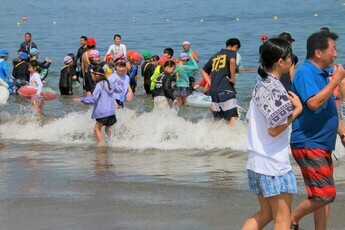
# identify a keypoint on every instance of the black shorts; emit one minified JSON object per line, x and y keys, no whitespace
{"x":224,"y":105}
{"x":107,"y":121}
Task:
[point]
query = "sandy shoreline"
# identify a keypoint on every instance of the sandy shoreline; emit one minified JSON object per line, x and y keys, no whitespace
{"x":121,"y":205}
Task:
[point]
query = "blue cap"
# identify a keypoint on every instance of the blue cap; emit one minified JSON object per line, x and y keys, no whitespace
{"x":4,"y":53}
{"x":33,"y":51}
{"x":24,"y":56}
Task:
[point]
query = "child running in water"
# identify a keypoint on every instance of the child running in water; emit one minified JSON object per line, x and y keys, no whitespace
{"x":270,"y":113}
{"x":35,"y":82}
{"x":165,"y":85}
{"x":103,"y":99}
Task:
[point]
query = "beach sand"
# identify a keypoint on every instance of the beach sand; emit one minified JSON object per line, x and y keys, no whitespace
{"x":131,"y":205}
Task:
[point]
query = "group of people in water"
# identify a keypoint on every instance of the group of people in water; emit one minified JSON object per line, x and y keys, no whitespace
{"x":280,"y":97}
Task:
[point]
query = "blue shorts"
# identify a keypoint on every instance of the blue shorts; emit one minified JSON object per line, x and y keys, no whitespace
{"x":270,"y":186}
{"x":181,"y":91}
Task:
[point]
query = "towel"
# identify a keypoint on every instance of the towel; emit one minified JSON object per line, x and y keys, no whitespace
{"x":273,"y":101}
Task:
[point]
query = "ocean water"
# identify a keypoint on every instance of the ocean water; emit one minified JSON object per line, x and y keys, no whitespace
{"x":179,"y":146}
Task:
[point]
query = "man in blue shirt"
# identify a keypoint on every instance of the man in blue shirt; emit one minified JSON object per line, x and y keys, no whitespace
{"x":314,"y":132}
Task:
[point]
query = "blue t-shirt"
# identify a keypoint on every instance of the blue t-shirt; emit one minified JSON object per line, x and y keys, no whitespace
{"x":313,"y":129}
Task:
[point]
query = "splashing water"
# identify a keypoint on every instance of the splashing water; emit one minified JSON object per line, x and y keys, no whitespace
{"x":159,"y":129}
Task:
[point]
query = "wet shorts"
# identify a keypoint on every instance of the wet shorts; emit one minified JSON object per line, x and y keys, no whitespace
{"x":317,"y":170}
{"x":107,"y":121}
{"x":270,"y":186}
{"x":224,"y":105}
{"x":181,"y":91}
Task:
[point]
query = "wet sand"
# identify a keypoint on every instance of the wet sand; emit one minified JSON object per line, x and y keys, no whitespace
{"x":131,"y":205}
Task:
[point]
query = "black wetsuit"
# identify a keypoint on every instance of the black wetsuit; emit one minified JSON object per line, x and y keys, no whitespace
{"x":65,"y":84}
{"x":147,"y":70}
{"x":89,"y":83}
{"x":80,"y":52}
{"x":20,"y":71}
{"x":165,"y":86}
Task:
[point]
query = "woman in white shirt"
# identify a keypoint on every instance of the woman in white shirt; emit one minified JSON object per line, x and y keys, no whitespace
{"x":270,"y":113}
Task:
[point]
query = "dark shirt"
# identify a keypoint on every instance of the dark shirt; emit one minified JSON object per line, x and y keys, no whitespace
{"x":66,"y":74}
{"x":165,"y":86}
{"x":80,"y":52}
{"x":218,"y":68}
{"x":27,"y":46}
{"x":285,"y":77}
{"x":20,"y":71}
{"x":89,"y":83}
{"x":147,"y":70}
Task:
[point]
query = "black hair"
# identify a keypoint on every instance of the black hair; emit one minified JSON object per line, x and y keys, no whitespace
{"x":169,"y":51}
{"x":117,"y":35}
{"x":100,"y":72}
{"x":325,"y":29}
{"x":23,"y":50}
{"x":233,"y":42}
{"x":71,"y":55}
{"x":34,"y":63}
{"x":84,"y":37}
{"x":272,"y":50}
{"x":28,"y":34}
{"x":169,"y":63}
{"x":154,"y":58}
{"x":319,"y":41}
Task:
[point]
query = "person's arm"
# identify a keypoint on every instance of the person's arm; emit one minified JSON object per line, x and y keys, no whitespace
{"x":194,"y":67}
{"x":154,"y":77}
{"x":195,"y":56}
{"x":117,"y":83}
{"x":273,"y":132}
{"x":341,"y":132}
{"x":14,"y":72}
{"x":232,"y":69}
{"x":5,"y":69}
{"x":168,"y":91}
{"x":39,"y":84}
{"x":94,"y":96}
{"x":206,"y":76}
{"x":124,"y":50}
{"x":323,"y":95}
{"x":129,"y":94}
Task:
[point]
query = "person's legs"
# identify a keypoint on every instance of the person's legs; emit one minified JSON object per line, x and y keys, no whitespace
{"x":321,"y":217}
{"x":108,"y":131}
{"x":260,"y":219}
{"x":308,"y":206}
{"x":232,"y":121}
{"x":317,"y":170}
{"x":281,"y":210}
{"x":97,"y":130}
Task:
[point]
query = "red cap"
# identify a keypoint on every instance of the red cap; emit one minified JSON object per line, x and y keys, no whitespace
{"x":108,"y":57}
{"x":91,"y":42}
{"x":130,"y":53}
{"x":136,"y":57}
{"x":263,"y":36}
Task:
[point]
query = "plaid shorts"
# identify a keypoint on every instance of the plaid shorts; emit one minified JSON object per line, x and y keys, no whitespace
{"x":270,"y":186}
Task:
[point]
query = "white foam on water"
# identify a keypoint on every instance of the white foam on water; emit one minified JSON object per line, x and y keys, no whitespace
{"x":159,"y":129}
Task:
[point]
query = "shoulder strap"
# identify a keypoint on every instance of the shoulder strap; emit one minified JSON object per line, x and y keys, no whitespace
{"x":19,"y":64}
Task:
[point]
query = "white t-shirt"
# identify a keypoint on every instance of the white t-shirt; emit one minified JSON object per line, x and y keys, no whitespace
{"x":266,"y":155}
{"x":114,"y":49}
{"x":35,"y":81}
